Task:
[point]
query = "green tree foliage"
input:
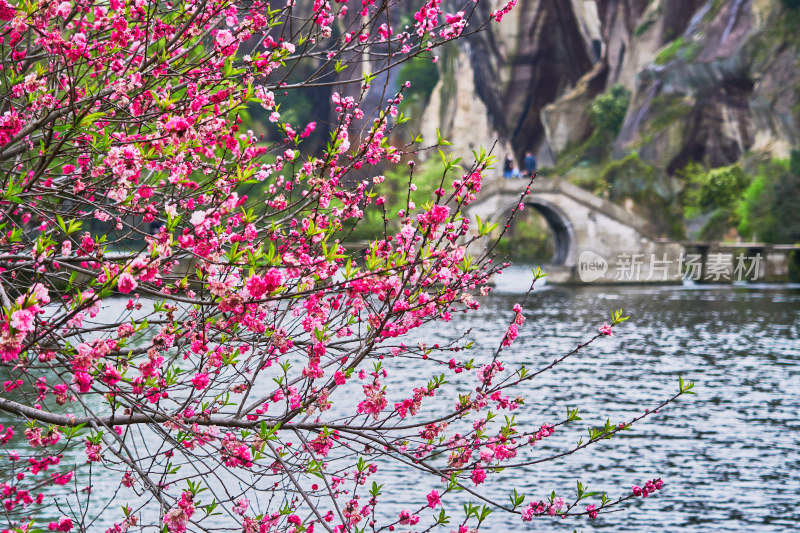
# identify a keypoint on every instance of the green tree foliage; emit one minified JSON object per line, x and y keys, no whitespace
{"x":608,"y":109}
{"x":421,"y":71}
{"x":763,"y":207}
{"x":754,"y":211}
{"x":794,"y":160}
{"x":770,"y":206}
{"x":722,"y":187}
{"x":717,"y":191}
{"x":692,"y":176}
{"x":398,"y":191}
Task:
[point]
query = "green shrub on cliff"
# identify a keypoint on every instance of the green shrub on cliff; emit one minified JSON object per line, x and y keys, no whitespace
{"x":607,"y":114}
{"x":717,"y":191}
{"x":723,"y":187}
{"x":608,"y":109}
{"x":654,"y":194}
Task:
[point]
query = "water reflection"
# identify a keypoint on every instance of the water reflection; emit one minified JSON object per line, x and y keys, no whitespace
{"x":729,"y":455}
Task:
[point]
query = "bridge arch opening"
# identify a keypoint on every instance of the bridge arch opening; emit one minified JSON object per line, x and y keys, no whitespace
{"x":561,"y":245}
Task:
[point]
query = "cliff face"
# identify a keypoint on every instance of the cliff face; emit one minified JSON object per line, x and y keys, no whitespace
{"x":711,"y":79}
{"x":539,"y":51}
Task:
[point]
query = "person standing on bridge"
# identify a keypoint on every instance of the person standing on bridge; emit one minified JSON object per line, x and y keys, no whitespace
{"x":530,"y":163}
{"x":508,"y":166}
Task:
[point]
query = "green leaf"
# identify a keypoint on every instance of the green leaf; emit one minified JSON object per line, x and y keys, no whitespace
{"x":91,"y":118}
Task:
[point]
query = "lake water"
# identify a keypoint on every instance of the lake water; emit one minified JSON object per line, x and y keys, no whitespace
{"x":729,"y":456}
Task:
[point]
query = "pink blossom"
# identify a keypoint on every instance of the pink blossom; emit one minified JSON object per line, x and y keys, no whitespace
{"x":406,"y":518}
{"x":178,"y":517}
{"x":528,"y":512}
{"x":62,"y":479}
{"x":7,"y":12}
{"x":126,"y":283}
{"x":10,"y":124}
{"x":93,"y":452}
{"x":200,"y":381}
{"x":64,"y":524}
{"x":224,"y":38}
{"x":510,"y":335}
{"x":41,"y":296}
{"x":605,"y":329}
{"x":375,"y":400}
{"x":241,"y":506}
{"x":433,"y":499}
{"x":22,"y":320}
{"x":83,"y":381}
{"x":478,"y":475}
{"x":308,"y":130}
{"x":257,"y":286}
{"x":198,"y":217}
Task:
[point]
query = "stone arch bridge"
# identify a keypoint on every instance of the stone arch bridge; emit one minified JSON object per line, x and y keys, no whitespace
{"x":595,"y":240}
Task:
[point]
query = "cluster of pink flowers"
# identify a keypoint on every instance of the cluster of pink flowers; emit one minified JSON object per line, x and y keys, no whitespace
{"x":542,"y":508}
{"x":22,"y":321}
{"x":200,"y":380}
{"x":544,"y":431}
{"x":93,"y":451}
{"x":126,"y":283}
{"x":123,"y":527}
{"x":235,"y":453}
{"x":230,"y":292}
{"x":37,"y":465}
{"x":375,"y":399}
{"x":649,"y":488}
{"x":177,"y":518}
{"x":37,"y":438}
{"x":456,"y":22}
{"x":63,"y":524}
{"x":13,"y":497}
{"x":7,"y":12}
{"x":407,"y":518}
{"x":258,"y":286}
{"x":410,"y":406}
{"x":434,"y":499}
{"x":241,"y":506}
{"x":478,"y":475}
{"x":500,"y":13}
{"x":487,"y":372}
{"x":427,"y":18}
{"x":10,"y":123}
{"x":323,"y":443}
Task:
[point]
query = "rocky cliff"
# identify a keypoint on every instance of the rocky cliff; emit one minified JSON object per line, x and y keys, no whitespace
{"x":711,"y":80}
